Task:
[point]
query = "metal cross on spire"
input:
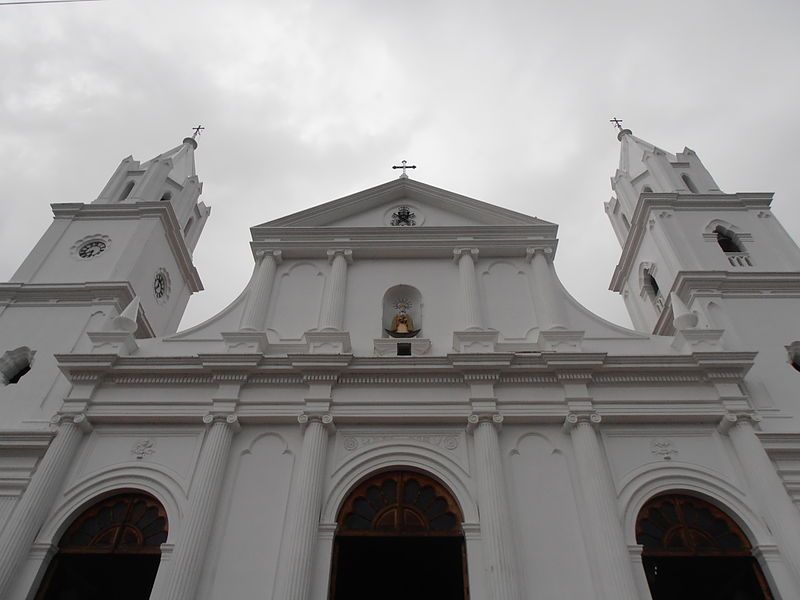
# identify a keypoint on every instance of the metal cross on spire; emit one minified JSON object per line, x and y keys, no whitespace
{"x":617,"y":123}
{"x":197,"y":131}
{"x":403,"y":165}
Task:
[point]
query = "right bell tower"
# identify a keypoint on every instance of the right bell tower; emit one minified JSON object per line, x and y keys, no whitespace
{"x":725,"y":255}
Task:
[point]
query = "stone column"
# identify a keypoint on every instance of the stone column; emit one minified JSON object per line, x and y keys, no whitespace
{"x":255,"y":311}
{"x":305,"y":504}
{"x":606,"y":539}
{"x":769,"y":492}
{"x":466,"y":259}
{"x":499,"y":555}
{"x":548,"y":303}
{"x":332,"y":313}
{"x":186,"y":562}
{"x":37,"y":500}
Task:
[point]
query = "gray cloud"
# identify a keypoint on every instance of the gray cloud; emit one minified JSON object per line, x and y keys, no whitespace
{"x":305,"y":102}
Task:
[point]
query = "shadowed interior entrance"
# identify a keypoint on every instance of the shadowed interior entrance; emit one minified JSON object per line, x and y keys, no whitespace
{"x":112,"y":550}
{"x":399,"y":537}
{"x":694,"y":551}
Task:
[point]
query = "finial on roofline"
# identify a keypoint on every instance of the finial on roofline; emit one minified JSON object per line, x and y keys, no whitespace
{"x":404,"y":165}
{"x":618,"y":124}
{"x":193,"y":140}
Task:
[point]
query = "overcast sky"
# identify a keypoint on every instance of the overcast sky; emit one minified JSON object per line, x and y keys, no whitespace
{"x":304,"y":102}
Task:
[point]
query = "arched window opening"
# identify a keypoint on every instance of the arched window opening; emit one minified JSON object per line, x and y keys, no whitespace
{"x":727,"y":240}
{"x":693,"y":551}
{"x":112,"y":550}
{"x":166,"y":197}
{"x":402,"y":527}
{"x":15,"y":364}
{"x":127,"y":191}
{"x":689,"y":183}
{"x":188,"y":226}
{"x":650,"y":283}
{"x":794,"y":355}
{"x":625,"y":221}
{"x":647,"y":190}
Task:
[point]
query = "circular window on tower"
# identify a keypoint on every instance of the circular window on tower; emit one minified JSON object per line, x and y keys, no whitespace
{"x":161,"y":286}
{"x":89,"y":247}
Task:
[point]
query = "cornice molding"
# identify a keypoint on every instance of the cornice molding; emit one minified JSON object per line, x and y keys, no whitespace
{"x":685,"y":202}
{"x":139,"y":210}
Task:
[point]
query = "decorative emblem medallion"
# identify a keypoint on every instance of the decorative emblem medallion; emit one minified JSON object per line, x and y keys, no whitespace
{"x":161,"y":286}
{"x":143,"y":448}
{"x":663,"y":448}
{"x":403,"y":217}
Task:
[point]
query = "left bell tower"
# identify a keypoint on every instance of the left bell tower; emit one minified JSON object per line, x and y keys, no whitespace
{"x":135,"y":239}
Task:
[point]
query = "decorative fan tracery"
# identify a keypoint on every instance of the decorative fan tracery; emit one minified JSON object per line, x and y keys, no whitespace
{"x":122,"y":524}
{"x":686,"y":526}
{"x":400,"y":503}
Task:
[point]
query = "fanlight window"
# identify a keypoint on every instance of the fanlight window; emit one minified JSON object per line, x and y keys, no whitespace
{"x":400,"y":503}
{"x":694,"y":551}
{"x":122,"y":524}
{"x":689,"y":526}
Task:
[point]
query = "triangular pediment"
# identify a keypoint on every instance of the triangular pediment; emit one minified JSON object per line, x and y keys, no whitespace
{"x":426,"y":206}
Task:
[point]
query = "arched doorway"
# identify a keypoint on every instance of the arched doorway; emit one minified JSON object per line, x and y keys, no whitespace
{"x":112,"y":550}
{"x":399,"y":536}
{"x":694,"y":551}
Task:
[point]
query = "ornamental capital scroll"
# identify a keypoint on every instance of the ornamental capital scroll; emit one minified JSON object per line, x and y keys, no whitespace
{"x":79,"y":420}
{"x":471,"y":252}
{"x":574,"y":419}
{"x":530,"y":253}
{"x":730,"y":420}
{"x":325,"y":419}
{"x":276,"y":255}
{"x":229,"y":419}
{"x":345,"y":252}
{"x":476,"y":419}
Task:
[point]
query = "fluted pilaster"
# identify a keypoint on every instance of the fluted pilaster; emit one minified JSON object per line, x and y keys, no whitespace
{"x":495,"y":517}
{"x":37,"y":500}
{"x":255,"y":311}
{"x":606,"y":539}
{"x":466,"y":258}
{"x":548,"y":303}
{"x":332,"y":313}
{"x":305,"y":502}
{"x":187,"y":559}
{"x":768,"y":489}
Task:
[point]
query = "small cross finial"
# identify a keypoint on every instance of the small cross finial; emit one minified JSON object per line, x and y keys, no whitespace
{"x":403,"y":165}
{"x":197,"y":131}
{"x":617,"y":123}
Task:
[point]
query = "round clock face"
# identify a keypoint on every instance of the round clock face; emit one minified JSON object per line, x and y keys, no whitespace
{"x":91,"y":249}
{"x":160,"y":285}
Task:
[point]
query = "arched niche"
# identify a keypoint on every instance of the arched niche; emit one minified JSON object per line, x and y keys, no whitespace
{"x":402,"y":301}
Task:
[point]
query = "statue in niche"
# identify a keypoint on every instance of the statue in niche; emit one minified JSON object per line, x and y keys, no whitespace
{"x":402,"y":325}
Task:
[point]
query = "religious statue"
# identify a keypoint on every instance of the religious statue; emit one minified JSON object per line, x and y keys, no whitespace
{"x":402,"y":326}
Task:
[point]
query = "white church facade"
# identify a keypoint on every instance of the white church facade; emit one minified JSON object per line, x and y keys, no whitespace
{"x":404,"y":402}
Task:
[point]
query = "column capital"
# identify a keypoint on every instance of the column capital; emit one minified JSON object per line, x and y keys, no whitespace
{"x":530,"y":252}
{"x":277,"y":255}
{"x":79,"y":419}
{"x":345,"y":252}
{"x":325,"y":419}
{"x":471,"y":252}
{"x":731,"y":419}
{"x":477,"y":418}
{"x":230,"y":419}
{"x":574,"y":419}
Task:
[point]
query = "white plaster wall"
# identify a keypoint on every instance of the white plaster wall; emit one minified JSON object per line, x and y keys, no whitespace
{"x":427,"y":215}
{"x":545,"y":514}
{"x":47,"y":329}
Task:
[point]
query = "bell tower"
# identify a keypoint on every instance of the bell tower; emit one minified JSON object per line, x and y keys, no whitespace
{"x":136,"y":238}
{"x":680,"y":233}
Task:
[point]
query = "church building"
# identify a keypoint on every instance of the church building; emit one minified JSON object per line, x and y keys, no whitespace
{"x":404,"y":401}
